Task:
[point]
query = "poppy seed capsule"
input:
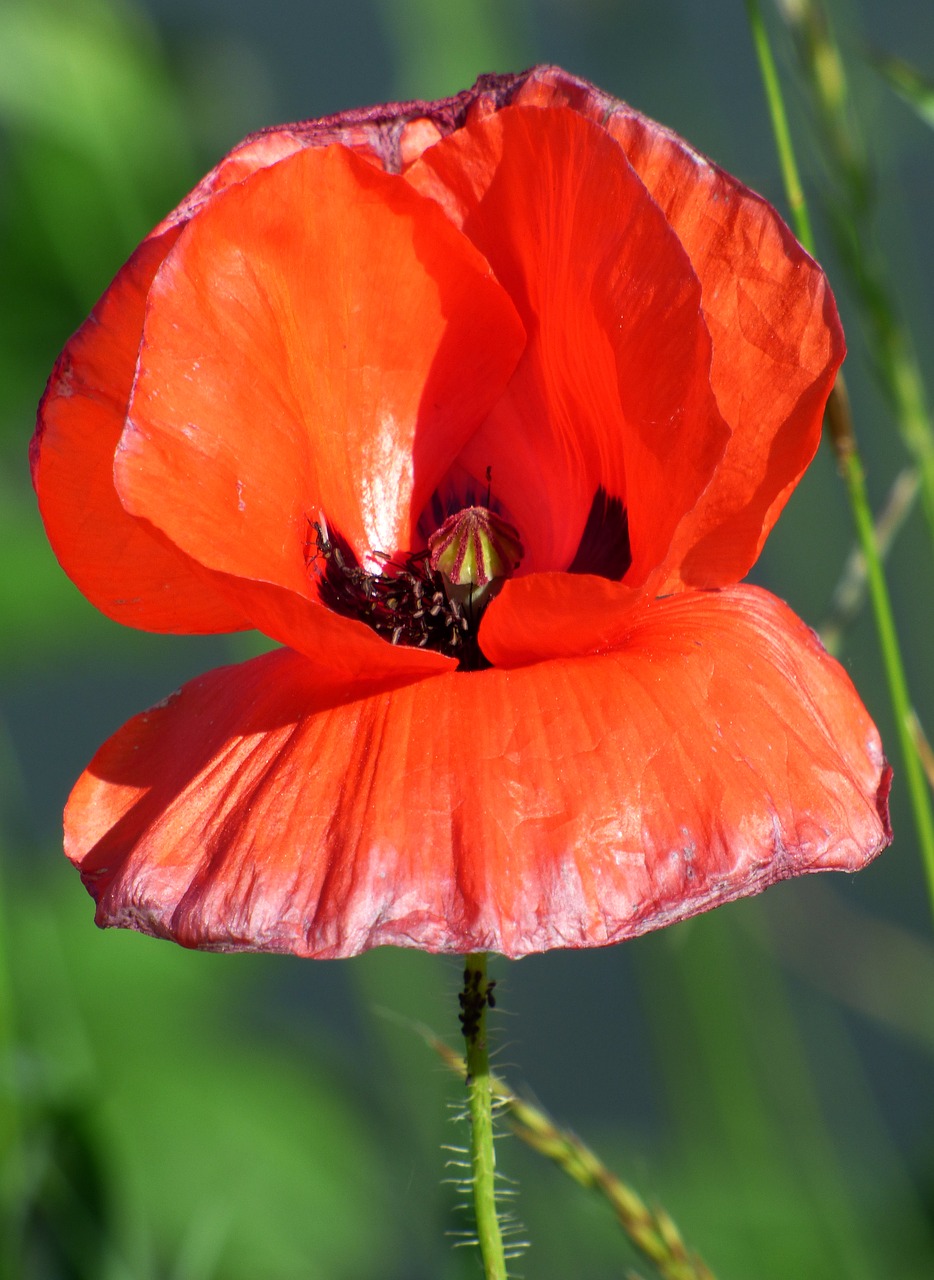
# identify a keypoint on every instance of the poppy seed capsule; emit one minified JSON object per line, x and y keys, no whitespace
{"x":474,"y":550}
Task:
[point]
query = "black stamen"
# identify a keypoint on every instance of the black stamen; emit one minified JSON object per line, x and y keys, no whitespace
{"x":405,"y":602}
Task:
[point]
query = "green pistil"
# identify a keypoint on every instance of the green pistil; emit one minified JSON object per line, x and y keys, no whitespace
{"x":474,"y":551}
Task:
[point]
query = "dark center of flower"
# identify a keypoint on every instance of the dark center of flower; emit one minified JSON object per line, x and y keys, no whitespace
{"x":432,"y":599}
{"x":604,"y":546}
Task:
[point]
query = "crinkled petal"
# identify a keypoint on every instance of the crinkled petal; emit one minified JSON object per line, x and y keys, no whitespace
{"x":571,"y":803}
{"x":613,"y":390}
{"x":390,"y":135}
{"x":777,"y":339}
{"x":319,"y":343}
{"x":121,"y":565}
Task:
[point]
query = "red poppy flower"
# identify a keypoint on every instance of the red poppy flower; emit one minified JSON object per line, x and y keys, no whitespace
{"x":482,"y":408}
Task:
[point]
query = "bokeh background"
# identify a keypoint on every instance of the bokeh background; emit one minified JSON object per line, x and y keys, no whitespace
{"x":765,"y":1072}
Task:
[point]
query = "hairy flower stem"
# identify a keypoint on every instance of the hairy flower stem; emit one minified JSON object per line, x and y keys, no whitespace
{"x":651,"y":1231}
{"x":840,"y":429}
{"x":475,"y":999}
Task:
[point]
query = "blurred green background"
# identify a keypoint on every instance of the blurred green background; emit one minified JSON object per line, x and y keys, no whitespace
{"x":765,"y":1072}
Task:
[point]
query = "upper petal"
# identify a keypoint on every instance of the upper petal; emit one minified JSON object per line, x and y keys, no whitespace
{"x":777,"y":339}
{"x":777,"y":345}
{"x":613,"y":389}
{"x":575,"y":802}
{"x":320,"y":341}
{"x":122,"y":565}
{"x":126,"y":570}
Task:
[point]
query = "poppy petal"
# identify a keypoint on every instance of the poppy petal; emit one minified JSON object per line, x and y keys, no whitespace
{"x":337,"y":646}
{"x":613,"y":389}
{"x":777,"y":339}
{"x":319,"y":342}
{"x":777,"y":345}
{"x":123,"y":568}
{"x":558,"y":615}
{"x":376,"y":134}
{"x":569,"y":803}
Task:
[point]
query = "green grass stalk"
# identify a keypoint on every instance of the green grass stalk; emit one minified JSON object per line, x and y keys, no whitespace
{"x":849,"y":206}
{"x":842,"y":436}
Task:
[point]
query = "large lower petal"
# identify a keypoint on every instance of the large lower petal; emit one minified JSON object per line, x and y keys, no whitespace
{"x":567,"y":803}
{"x":320,"y":341}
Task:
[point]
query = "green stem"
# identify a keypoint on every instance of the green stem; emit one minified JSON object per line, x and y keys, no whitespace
{"x":841,"y":431}
{"x":849,"y":198}
{"x":842,"y":436}
{"x":783,"y":145}
{"x":475,"y":998}
{"x":650,"y":1230}
{"x":850,"y":592}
